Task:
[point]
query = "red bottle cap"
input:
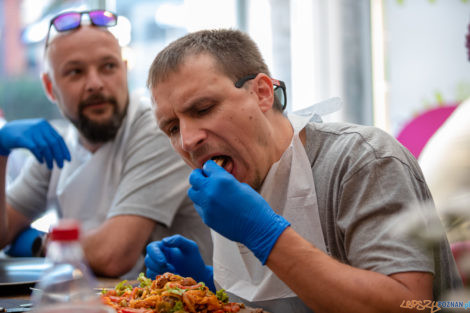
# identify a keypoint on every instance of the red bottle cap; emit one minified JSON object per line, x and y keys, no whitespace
{"x":66,"y":230}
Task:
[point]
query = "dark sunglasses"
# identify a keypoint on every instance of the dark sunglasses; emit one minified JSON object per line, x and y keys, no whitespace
{"x":72,"y":20}
{"x":279,"y":88}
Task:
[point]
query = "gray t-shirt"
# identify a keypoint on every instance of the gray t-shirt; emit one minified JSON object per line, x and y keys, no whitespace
{"x":137,"y":173}
{"x":364,"y":179}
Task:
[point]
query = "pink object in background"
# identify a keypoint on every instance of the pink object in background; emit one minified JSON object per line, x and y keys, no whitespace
{"x":417,"y":132}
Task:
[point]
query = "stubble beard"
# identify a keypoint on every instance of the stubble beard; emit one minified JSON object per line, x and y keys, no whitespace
{"x":103,"y":131}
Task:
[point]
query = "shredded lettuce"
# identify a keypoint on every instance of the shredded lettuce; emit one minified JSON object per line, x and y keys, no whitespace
{"x":222,"y":295}
{"x":144,"y":281}
{"x":122,"y":287}
{"x":176,"y":290}
{"x":178,"y":307}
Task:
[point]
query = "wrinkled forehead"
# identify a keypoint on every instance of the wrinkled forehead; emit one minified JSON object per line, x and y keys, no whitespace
{"x":196,"y":79}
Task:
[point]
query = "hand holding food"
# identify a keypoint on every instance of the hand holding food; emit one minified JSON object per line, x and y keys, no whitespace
{"x":168,"y":293}
{"x":36,"y":135}
{"x":235,"y":210}
{"x":178,"y":255}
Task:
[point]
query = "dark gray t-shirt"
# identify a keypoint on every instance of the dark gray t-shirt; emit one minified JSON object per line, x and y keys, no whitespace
{"x":364,"y":179}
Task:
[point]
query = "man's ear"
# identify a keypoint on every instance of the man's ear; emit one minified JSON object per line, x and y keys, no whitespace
{"x":47,"y":84}
{"x":265,"y":91}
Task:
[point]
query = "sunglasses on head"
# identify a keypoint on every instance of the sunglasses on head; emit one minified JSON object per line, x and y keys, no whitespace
{"x":279,"y":88}
{"x":72,"y":20}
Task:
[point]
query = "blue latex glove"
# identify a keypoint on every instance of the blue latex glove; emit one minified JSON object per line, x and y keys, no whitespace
{"x":27,"y":244}
{"x":235,"y":210}
{"x":36,"y":135}
{"x":178,"y":255}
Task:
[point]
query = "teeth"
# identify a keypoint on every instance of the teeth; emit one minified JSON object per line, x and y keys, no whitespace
{"x":219,"y":160}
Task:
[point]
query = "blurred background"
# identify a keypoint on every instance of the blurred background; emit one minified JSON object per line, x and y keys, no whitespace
{"x":389,"y":60}
{"x":400,"y":65}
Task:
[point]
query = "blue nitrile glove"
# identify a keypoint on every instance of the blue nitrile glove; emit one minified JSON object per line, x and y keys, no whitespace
{"x":178,"y":255}
{"x":36,"y":135}
{"x":235,"y":210}
{"x":27,"y":244}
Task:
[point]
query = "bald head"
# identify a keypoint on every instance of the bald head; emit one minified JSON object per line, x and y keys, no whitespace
{"x":82,"y":38}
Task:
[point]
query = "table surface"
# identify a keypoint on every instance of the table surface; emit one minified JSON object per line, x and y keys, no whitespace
{"x":23,"y":292}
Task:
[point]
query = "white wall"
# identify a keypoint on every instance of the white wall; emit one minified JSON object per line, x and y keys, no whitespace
{"x":425,"y":54}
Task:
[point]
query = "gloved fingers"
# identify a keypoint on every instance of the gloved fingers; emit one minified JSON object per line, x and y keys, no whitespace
{"x":156,"y":267}
{"x":174,"y":256}
{"x":210,"y":168}
{"x":61,"y":143}
{"x":34,"y":149}
{"x":155,"y":252}
{"x":200,"y":211}
{"x":57,"y":145}
{"x":44,"y":148}
{"x":197,"y":178}
{"x":186,"y":246}
{"x":156,"y":260}
{"x":151,"y":274}
{"x":195,"y":195}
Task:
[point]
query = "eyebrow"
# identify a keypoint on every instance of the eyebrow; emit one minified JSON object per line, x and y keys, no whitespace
{"x":191,"y":107}
{"x":101,"y":59}
{"x":165,"y":122}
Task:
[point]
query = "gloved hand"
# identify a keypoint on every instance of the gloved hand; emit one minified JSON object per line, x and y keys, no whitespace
{"x":36,"y":135}
{"x":235,"y":210}
{"x":180,"y":256}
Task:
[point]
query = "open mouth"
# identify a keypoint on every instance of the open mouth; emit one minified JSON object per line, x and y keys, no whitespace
{"x":224,"y":161}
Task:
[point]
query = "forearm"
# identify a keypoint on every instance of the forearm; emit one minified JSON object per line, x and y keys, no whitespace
{"x":326,"y":285}
{"x":113,"y":248}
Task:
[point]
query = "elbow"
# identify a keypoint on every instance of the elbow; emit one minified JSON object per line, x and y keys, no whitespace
{"x":111,"y":265}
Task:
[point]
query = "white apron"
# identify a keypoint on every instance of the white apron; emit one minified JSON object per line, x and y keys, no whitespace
{"x":290,"y":190}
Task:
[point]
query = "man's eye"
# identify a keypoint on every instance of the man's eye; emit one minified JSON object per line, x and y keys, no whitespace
{"x":204,"y":110}
{"x":173,"y":130}
{"x":110,"y":66}
{"x":73,"y":71}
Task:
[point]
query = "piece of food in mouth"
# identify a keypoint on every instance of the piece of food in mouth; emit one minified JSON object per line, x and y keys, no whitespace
{"x":220,"y":160}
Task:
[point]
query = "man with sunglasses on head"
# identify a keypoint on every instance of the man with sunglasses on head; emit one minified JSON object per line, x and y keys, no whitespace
{"x":303,"y":213}
{"x":114,"y":169}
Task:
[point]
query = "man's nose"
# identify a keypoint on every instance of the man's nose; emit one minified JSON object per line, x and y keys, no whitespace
{"x":191,"y":136}
{"x":94,"y":81}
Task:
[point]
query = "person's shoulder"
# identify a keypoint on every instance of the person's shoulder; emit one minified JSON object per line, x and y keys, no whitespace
{"x":141,"y":124}
{"x":139,"y":102}
{"x":140,"y":113}
{"x":350,"y":132}
{"x":354,"y":138}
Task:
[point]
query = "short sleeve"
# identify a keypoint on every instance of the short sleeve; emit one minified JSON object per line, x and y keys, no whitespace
{"x":154,"y":177}
{"x":27,"y":194}
{"x":371,"y":200}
